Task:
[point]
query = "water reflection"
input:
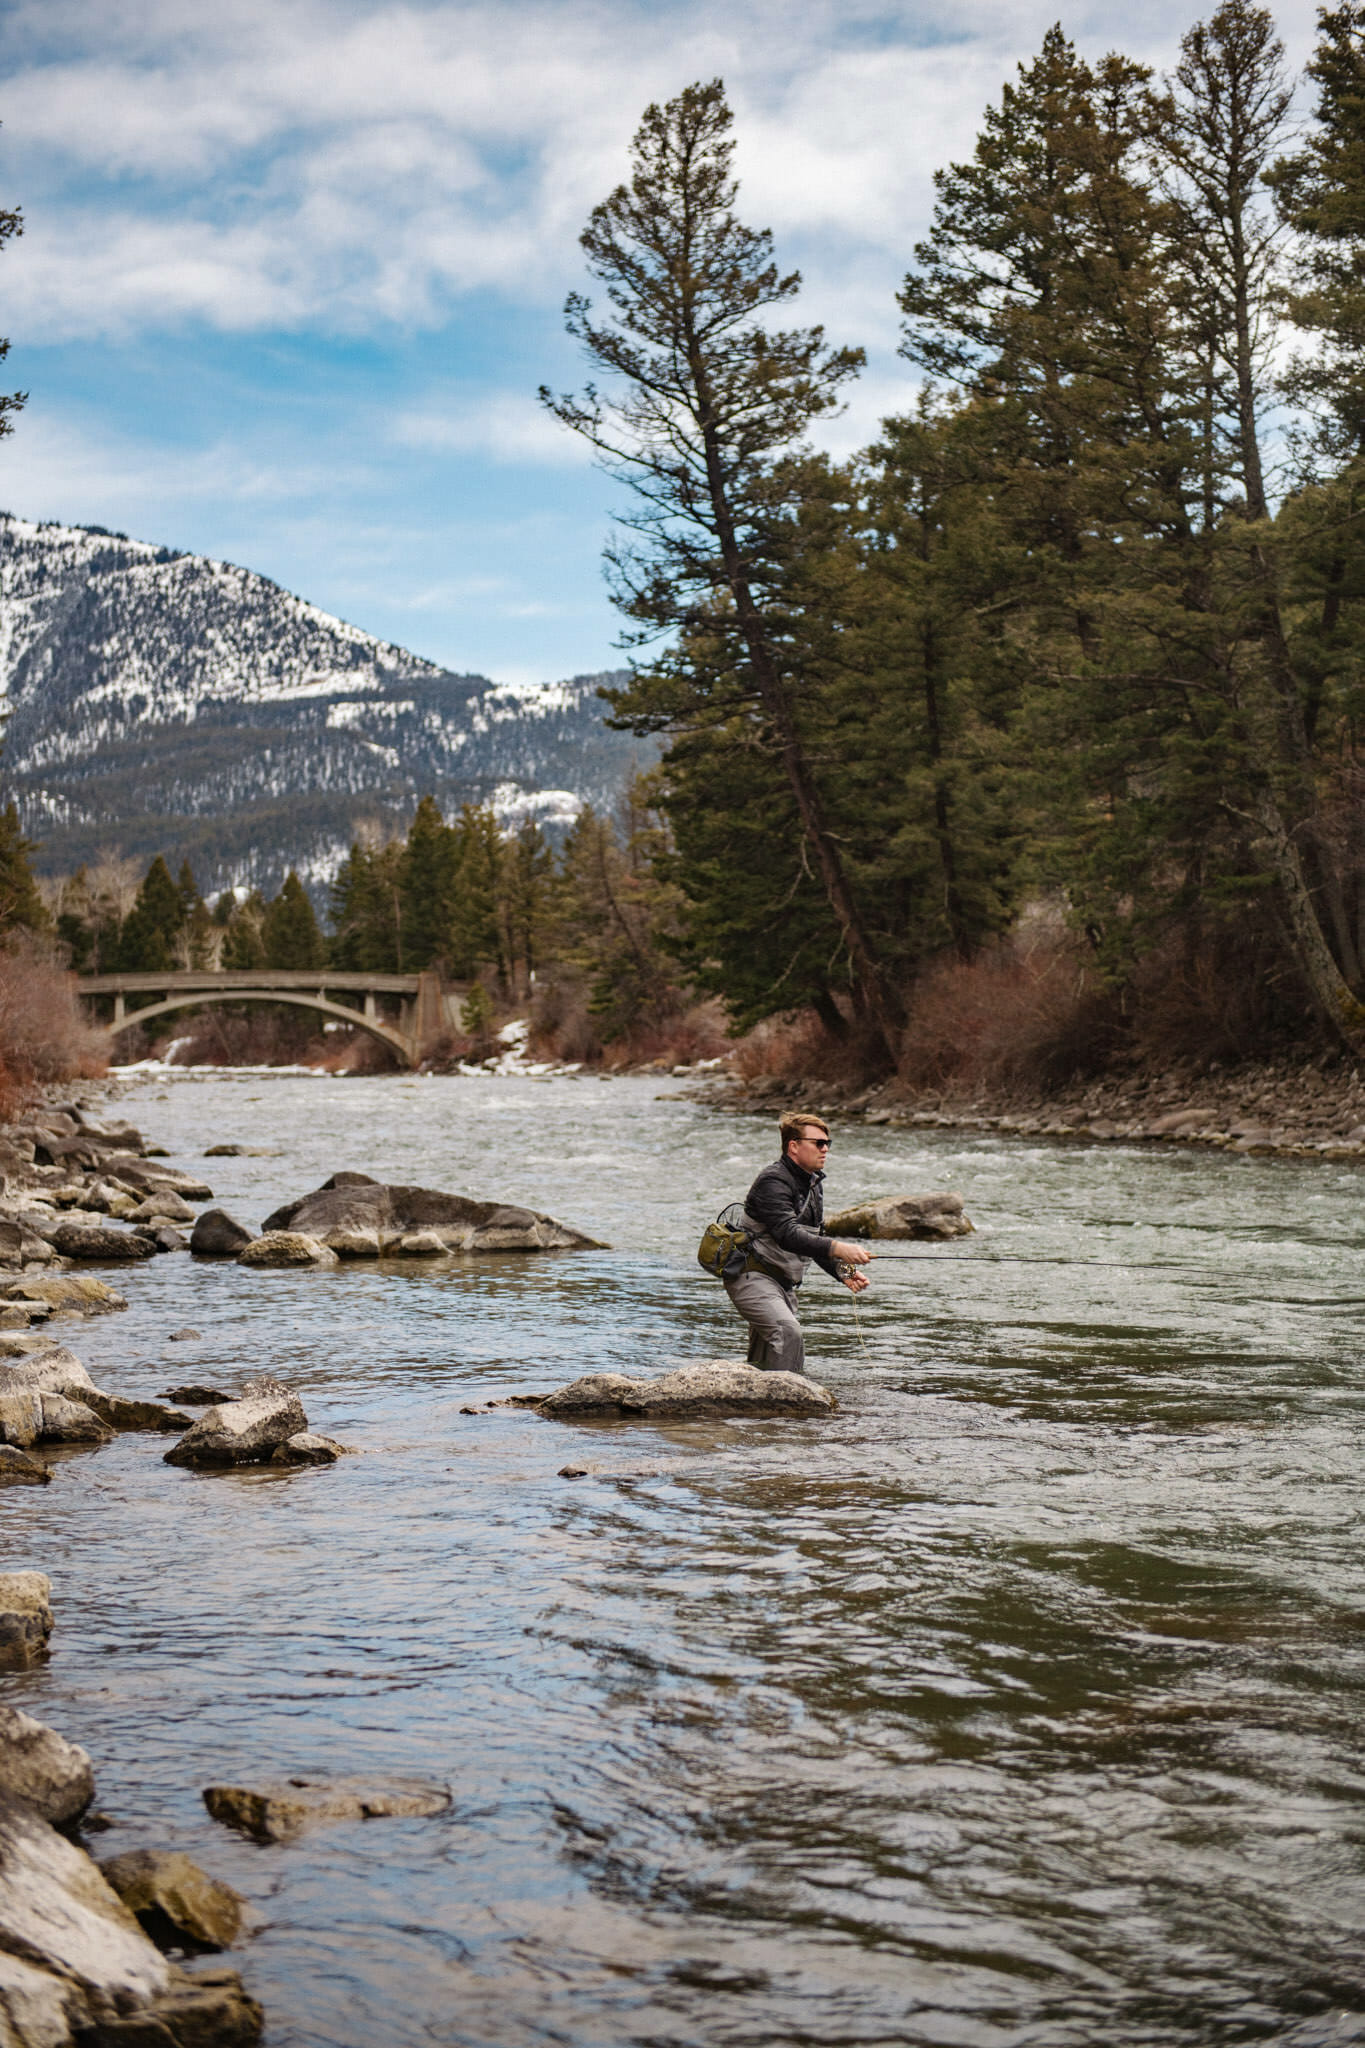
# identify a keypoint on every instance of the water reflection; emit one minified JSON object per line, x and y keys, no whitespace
{"x":1019,"y":1704}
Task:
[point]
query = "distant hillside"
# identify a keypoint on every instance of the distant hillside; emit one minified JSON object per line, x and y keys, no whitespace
{"x":161,"y":702}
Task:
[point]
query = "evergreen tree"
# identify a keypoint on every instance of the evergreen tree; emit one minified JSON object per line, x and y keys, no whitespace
{"x":21,"y":906}
{"x":475,"y":930}
{"x":290,"y":935}
{"x":704,"y":407}
{"x":243,"y":940}
{"x":365,"y":908}
{"x":151,"y":931}
{"x":1321,"y":194}
{"x":527,"y":881}
{"x":426,"y":882}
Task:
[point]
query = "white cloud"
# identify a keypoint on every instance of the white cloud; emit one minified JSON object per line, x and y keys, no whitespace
{"x":359,"y":163}
{"x":508,"y":427}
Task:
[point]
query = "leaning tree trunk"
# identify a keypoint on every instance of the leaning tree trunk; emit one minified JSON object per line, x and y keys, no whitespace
{"x":1341,"y":1007}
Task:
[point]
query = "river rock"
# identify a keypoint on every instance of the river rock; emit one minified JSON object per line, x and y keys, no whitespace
{"x":68,"y":1293}
{"x":85,"y":1959}
{"x":224,"y":1151}
{"x":94,"y":1241}
{"x":25,"y":1611}
{"x":129,"y":1417}
{"x":242,"y":1432}
{"x":916,"y":1216}
{"x":308,"y":1449}
{"x":217,"y":1235}
{"x":355,"y":1244}
{"x":165,"y":1206}
{"x":54,"y":1371}
{"x":18,"y":1469}
{"x":70,"y":1422}
{"x":42,"y":1768}
{"x":184,"y":1336}
{"x":274,"y":1811}
{"x":165,"y":1237}
{"x":715,"y":1388}
{"x":176,"y":1903}
{"x":286,"y":1248}
{"x":351,"y":1203}
{"x":199,"y":1397}
{"x":153,"y":1178}
{"x":76,"y":1967}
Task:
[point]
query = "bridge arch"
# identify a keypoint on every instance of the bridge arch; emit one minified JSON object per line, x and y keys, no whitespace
{"x":206,"y":998}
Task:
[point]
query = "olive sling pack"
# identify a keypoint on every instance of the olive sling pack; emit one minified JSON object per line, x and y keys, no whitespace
{"x":727,"y":1245}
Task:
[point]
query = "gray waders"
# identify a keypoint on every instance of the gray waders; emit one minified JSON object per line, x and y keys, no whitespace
{"x":775,"y":1340}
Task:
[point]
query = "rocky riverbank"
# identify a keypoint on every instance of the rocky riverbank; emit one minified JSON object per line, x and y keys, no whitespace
{"x":1302,"y":1109}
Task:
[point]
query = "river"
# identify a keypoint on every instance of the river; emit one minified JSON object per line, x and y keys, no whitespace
{"x":1016,"y":1707}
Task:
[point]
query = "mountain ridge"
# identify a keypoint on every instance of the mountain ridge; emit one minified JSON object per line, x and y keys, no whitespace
{"x":159,"y":701}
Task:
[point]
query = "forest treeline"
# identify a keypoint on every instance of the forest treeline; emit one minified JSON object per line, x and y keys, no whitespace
{"x":1031,"y":734}
{"x":584,"y":938}
{"x":1078,"y":643}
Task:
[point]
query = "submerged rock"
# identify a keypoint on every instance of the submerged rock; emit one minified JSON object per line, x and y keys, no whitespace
{"x":42,"y":1768}
{"x":274,"y":1811}
{"x":199,"y":1397}
{"x":933,"y":1216}
{"x":410,"y":1222}
{"x":177,"y":1904}
{"x":25,"y":1611}
{"x":695,"y":1391}
{"x":243,"y":1432}
{"x":217,"y":1235}
{"x":286,"y":1248}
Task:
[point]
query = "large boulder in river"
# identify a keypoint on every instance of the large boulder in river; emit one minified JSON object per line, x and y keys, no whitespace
{"x":244,"y":1432}
{"x":694,"y":1392}
{"x":42,"y":1768}
{"x":351,"y":1207}
{"x":918,"y":1216}
{"x":217,"y":1235}
{"x":76,"y":1967}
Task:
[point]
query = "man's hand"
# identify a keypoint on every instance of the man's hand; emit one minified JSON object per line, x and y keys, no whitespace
{"x":846,"y":1255}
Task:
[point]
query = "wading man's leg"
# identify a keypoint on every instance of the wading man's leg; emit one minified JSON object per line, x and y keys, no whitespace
{"x":775,"y":1340}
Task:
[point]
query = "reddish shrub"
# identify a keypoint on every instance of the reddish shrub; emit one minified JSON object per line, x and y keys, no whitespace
{"x":44,"y":1035}
{"x":1030,"y":1012}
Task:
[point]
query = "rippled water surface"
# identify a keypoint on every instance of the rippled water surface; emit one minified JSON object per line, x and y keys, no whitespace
{"x":1019,"y":1704}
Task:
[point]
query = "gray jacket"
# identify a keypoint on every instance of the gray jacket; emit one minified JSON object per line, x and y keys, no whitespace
{"x":786,"y":1207}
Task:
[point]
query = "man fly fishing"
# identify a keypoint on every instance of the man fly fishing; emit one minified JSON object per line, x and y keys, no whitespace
{"x":783,"y":1212}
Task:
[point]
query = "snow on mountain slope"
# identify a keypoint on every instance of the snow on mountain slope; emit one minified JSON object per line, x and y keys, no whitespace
{"x":159,"y":702}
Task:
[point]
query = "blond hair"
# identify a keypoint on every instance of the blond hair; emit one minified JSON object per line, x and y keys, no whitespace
{"x":793,"y":1125}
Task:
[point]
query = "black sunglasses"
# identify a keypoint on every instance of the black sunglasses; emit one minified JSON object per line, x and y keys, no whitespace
{"x":821,"y":1144}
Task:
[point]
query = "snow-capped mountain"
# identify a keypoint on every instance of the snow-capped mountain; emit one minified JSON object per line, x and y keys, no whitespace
{"x":159,"y":702}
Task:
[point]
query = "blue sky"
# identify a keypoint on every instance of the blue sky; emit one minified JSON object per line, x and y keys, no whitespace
{"x":292,"y":270}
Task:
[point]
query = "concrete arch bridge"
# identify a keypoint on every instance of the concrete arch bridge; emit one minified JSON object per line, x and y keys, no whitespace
{"x":408,"y":1013}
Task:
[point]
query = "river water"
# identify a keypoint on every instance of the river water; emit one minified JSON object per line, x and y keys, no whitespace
{"x":1019,"y":1704}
